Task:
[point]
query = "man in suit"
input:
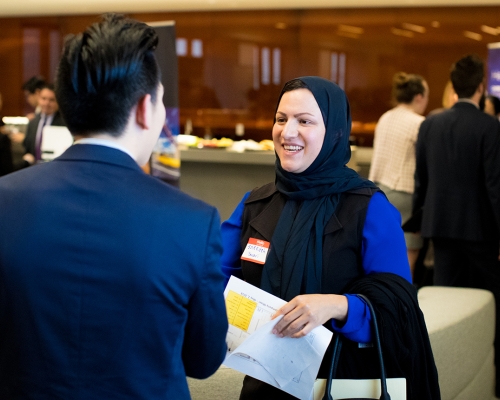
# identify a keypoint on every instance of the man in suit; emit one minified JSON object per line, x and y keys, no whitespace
{"x":49,"y":115}
{"x":110,"y":281}
{"x":457,"y":182}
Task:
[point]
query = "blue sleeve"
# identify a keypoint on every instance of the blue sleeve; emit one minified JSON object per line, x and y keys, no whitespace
{"x":231,"y":249}
{"x":383,"y":250}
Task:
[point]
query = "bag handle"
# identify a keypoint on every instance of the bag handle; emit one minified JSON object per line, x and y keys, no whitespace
{"x":337,"y":345}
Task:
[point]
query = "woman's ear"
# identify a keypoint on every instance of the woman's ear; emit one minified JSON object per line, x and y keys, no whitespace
{"x":143,"y":112}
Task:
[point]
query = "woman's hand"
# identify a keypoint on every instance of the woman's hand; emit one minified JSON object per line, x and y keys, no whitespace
{"x":305,"y":312}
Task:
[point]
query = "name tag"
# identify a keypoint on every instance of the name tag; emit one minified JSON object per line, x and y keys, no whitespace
{"x":256,"y":251}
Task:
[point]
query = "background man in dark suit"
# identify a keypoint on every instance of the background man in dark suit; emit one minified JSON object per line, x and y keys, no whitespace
{"x":110,"y":282}
{"x":457,"y":182}
{"x":49,"y":115}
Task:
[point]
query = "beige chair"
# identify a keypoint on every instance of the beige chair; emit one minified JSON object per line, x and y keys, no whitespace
{"x":461,"y":326}
{"x":225,"y":384}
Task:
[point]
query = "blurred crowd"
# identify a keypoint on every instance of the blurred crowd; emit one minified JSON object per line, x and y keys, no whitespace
{"x":21,"y":148}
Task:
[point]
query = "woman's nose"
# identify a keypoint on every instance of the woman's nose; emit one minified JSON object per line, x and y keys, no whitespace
{"x":290,"y":130}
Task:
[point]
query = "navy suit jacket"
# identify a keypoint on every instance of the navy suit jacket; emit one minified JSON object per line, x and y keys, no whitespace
{"x":110,"y":282}
{"x":457,"y":177}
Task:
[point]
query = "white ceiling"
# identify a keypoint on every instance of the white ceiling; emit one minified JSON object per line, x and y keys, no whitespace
{"x":66,"y":7}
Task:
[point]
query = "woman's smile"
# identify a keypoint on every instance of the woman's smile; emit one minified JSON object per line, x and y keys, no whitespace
{"x":292,"y":148}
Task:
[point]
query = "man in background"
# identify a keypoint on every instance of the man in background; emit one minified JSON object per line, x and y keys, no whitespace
{"x":31,"y":90}
{"x":49,"y":115}
{"x":110,"y":279}
{"x":457,"y":183}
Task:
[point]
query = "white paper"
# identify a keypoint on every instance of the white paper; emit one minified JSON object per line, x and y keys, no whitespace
{"x":288,"y":364}
{"x":55,"y":141}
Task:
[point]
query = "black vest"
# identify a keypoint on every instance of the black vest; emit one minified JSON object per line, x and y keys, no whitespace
{"x":342,"y":263}
{"x":342,"y":239}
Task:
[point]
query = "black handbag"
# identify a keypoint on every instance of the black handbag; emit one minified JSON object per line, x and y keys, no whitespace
{"x":337,"y":345}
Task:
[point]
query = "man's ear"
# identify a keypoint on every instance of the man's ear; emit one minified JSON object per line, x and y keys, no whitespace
{"x":143,"y":112}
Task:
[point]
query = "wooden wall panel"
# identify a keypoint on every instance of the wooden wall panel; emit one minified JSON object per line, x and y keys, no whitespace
{"x":219,"y":86}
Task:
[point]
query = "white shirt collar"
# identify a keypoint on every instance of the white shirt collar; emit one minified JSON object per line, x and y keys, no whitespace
{"x":103,"y":142}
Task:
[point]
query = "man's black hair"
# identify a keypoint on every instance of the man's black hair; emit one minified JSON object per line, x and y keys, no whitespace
{"x":466,"y":75}
{"x":33,"y":84}
{"x":103,"y":73}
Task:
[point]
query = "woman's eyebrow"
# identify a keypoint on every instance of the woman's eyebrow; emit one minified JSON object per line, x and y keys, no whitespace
{"x":296,"y":115}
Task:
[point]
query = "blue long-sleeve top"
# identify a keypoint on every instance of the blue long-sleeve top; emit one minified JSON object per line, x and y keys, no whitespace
{"x":383,"y":250}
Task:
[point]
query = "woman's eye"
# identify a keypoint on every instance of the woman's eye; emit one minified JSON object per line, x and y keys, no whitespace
{"x":280,"y":120}
{"x":305,"y":121}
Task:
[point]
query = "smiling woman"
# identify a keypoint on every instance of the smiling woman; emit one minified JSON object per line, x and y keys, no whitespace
{"x":298,"y":130}
{"x":327,"y":229}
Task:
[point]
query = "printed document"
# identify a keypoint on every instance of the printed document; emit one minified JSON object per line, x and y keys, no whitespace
{"x":286,"y":363}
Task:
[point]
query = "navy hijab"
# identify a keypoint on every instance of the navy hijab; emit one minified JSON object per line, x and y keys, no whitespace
{"x":295,"y":261}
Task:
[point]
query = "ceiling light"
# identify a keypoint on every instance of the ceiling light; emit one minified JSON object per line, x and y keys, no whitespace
{"x":473,"y":35}
{"x":490,"y":30}
{"x":280,"y":25}
{"x":402,"y":32}
{"x":413,"y":27}
{"x":435,"y":24}
{"x":351,"y":29}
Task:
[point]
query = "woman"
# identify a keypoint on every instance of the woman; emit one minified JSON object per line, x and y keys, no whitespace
{"x":327,"y":227}
{"x":393,"y":161}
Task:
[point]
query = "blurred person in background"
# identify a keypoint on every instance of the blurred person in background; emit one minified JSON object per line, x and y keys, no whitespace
{"x":31,"y":89}
{"x":393,"y":163}
{"x":49,"y":115}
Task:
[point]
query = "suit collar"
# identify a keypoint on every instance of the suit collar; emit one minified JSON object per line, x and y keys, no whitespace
{"x":99,"y":154}
{"x":465,"y":103}
{"x":103,"y":142}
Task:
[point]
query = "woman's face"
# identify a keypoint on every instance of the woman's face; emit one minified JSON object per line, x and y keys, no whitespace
{"x":299,"y":130}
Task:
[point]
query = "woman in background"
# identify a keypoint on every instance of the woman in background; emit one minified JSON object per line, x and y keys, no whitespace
{"x":331,"y":235}
{"x":393,"y":162}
